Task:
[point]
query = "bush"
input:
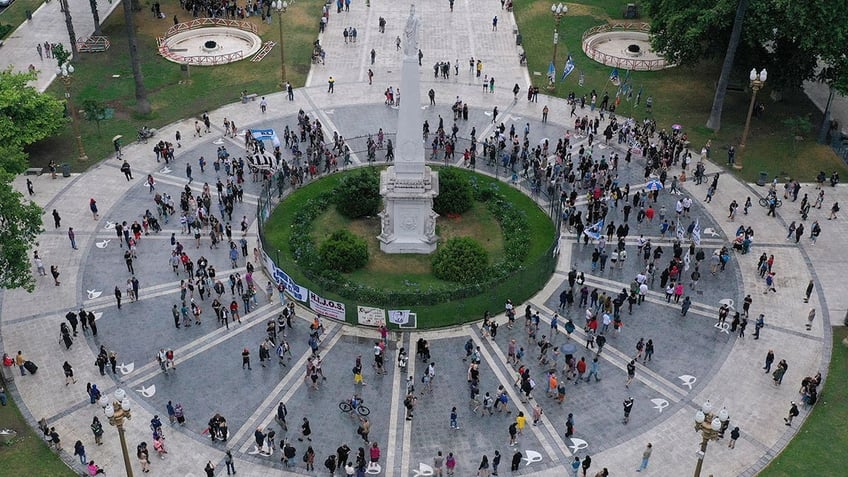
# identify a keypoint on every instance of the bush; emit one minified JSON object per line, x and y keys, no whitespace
{"x":455,"y":194}
{"x":343,"y":252}
{"x":358,"y":194}
{"x":461,"y":259}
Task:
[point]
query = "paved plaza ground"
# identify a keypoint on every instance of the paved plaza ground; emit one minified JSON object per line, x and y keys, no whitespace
{"x":694,"y":360}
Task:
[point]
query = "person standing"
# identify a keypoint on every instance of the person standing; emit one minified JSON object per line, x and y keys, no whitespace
{"x":646,"y":455}
{"x":587,"y":462}
{"x":245,"y":360}
{"x":628,"y":406}
{"x":769,"y":361}
{"x":69,"y":374}
{"x":734,"y":435}
{"x":209,"y":469}
{"x":810,"y":318}
{"x":483,"y":468}
{"x":79,"y":450}
{"x":72,"y":237}
{"x":118,"y":296}
{"x":97,"y":430}
{"x":57,"y":220}
{"x":806,"y":295}
{"x":758,"y":325}
{"x":450,"y":463}
{"x":631,"y":372}
{"x":19,"y":362}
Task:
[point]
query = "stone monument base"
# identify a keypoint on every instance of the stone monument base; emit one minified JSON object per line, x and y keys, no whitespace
{"x":408,"y":223}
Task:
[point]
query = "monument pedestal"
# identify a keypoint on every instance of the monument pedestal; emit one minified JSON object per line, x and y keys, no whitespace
{"x":408,"y":221}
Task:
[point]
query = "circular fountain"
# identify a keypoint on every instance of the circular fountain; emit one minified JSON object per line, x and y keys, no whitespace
{"x":623,"y":45}
{"x":210,"y":41}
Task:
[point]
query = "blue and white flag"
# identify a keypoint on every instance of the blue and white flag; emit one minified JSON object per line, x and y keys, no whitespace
{"x":681,"y":233}
{"x":595,"y":231}
{"x":696,"y":233}
{"x":569,"y":67}
{"x":552,"y":71}
{"x":613,"y":77}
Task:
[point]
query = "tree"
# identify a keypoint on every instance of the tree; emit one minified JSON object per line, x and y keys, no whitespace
{"x":344,"y":252}
{"x":96,"y":17}
{"x":27,"y":116}
{"x":70,"y":25}
{"x":142,"y":104}
{"x":714,"y":122}
{"x":455,"y":194}
{"x":462,"y":260}
{"x":94,"y":111}
{"x":358,"y":194}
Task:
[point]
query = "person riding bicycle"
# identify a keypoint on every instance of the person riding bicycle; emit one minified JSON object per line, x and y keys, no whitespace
{"x":354,"y":402}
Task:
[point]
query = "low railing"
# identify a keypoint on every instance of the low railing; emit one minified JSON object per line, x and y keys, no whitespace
{"x":617,"y":26}
{"x":207,"y":22}
{"x":624,"y":62}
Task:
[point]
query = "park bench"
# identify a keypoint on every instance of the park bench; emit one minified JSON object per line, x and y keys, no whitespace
{"x":248,"y":97}
{"x":34,"y":171}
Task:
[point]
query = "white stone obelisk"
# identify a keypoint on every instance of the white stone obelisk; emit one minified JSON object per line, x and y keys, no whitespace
{"x":408,"y":187}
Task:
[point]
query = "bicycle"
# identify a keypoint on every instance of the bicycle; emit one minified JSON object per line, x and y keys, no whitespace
{"x":764,"y":202}
{"x":361,"y":409}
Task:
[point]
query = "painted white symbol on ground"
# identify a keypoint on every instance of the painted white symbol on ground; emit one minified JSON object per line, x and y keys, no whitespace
{"x":147,"y":391}
{"x":711,"y":231}
{"x":659,"y":404}
{"x":103,"y":244}
{"x":98,"y":315}
{"x":165,"y":170}
{"x":373,"y":468}
{"x":92,"y":294}
{"x":687,"y":380}
{"x":423,"y":470}
{"x":532,"y":456}
{"x":126,"y":368}
{"x":257,"y":451}
{"x":578,"y":444}
{"x":109,"y":225}
{"x":723,"y":327}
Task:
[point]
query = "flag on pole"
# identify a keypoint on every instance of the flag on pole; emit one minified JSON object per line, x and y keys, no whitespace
{"x":551,"y":72}
{"x":594,"y":232}
{"x":582,"y":79}
{"x":569,"y":67}
{"x":639,"y":96}
{"x":681,"y":233}
{"x":613,"y":77}
{"x":696,"y":233}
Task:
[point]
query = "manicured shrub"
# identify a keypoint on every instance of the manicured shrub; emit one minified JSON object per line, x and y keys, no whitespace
{"x":358,"y":194}
{"x":343,"y":252}
{"x":455,"y":193}
{"x":462,"y":260}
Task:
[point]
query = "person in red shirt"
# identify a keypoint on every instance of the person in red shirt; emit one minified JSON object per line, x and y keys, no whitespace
{"x":649,"y":213}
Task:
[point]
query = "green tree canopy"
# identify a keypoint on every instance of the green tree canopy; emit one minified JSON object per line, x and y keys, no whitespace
{"x":26,"y":116}
{"x":455,"y":194}
{"x":358,"y":194}
{"x":787,"y":37}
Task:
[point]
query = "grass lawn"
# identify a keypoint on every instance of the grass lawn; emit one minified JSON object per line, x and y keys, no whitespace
{"x":15,"y":14}
{"x":680,"y":95}
{"x":28,"y":454}
{"x":405,"y":272}
{"x":817,"y":448}
{"x":107,"y":77}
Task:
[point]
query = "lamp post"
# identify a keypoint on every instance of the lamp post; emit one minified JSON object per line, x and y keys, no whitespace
{"x":117,"y":411}
{"x":709,"y":426}
{"x":757,"y":81}
{"x":281,"y":6}
{"x":64,"y":72}
{"x":559,"y":10}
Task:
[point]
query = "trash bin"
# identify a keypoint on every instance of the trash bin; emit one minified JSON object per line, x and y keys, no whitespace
{"x":763,"y":178}
{"x":7,"y":435}
{"x":518,"y":39}
{"x":66,"y":169}
{"x":29,"y":15}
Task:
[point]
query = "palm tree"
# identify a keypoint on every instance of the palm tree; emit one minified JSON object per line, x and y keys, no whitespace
{"x":70,"y":24}
{"x":142,"y":103}
{"x":714,"y":122}
{"x":96,"y":16}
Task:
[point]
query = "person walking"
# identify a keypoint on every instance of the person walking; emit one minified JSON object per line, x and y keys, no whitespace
{"x":483,"y":468}
{"x":793,"y":413}
{"x":734,"y":435}
{"x":646,"y":455}
{"x":631,"y":372}
{"x":69,"y":373}
{"x":810,"y":318}
{"x":79,"y":450}
{"x":72,"y":237}
{"x":587,"y":462}
{"x":245,"y":359}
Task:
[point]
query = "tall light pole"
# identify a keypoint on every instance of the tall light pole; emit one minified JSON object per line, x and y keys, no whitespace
{"x":709,"y":426}
{"x":757,"y":81}
{"x":64,"y":72}
{"x":117,"y":411}
{"x":559,"y":10}
{"x":281,"y":6}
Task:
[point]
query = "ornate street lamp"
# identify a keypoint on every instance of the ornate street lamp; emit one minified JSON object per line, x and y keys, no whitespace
{"x":64,"y":72}
{"x":117,"y":411}
{"x":281,"y":6}
{"x":757,"y":81}
{"x":559,"y":10}
{"x":709,"y":426}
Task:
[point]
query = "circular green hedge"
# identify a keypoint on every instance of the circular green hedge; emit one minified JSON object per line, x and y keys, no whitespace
{"x":461,"y":259}
{"x":343,"y":252}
